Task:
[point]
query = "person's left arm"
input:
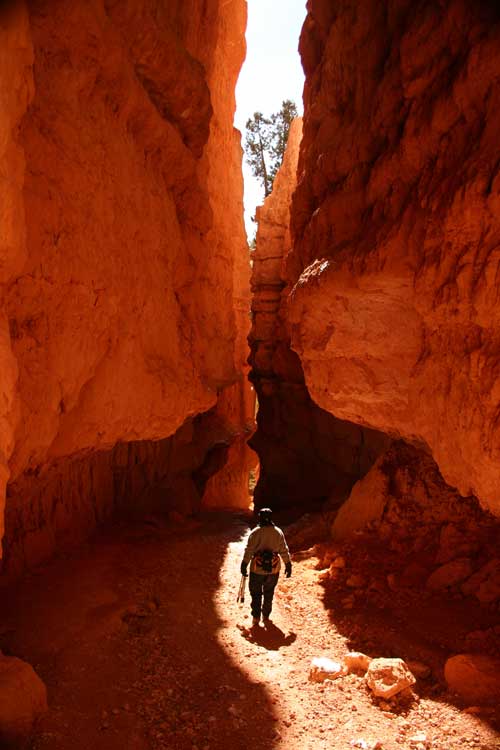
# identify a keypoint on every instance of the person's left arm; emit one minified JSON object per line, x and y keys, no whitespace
{"x":283,"y":550}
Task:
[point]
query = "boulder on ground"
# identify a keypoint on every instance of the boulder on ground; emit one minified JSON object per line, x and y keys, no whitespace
{"x":356,"y":662}
{"x":485,"y":584}
{"x":453,"y":543}
{"x":365,"y":504}
{"x":475,"y":677}
{"x":23,"y":698}
{"x":450,"y":574}
{"x":325,"y":669}
{"x":387,"y":677}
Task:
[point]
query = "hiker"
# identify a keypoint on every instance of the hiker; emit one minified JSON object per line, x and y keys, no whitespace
{"x":265,"y":545}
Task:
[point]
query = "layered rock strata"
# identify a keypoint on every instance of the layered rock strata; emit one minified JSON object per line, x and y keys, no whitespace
{"x":138,"y":478}
{"x":123,"y":247}
{"x":396,"y":227}
{"x":306,"y":455}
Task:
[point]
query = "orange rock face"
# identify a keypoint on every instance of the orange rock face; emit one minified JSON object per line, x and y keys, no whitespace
{"x":306,"y":455}
{"x":396,"y":227}
{"x":123,"y":246}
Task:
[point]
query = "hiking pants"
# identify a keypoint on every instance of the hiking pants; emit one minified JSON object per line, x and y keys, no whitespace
{"x":262,"y":586}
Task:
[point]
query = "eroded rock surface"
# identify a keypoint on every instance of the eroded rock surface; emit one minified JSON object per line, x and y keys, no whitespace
{"x":306,"y":455}
{"x":124,"y":257}
{"x":444,"y":543}
{"x":396,"y":227}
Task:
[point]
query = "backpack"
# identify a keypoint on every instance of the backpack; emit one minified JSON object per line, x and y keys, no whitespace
{"x":267,"y":561}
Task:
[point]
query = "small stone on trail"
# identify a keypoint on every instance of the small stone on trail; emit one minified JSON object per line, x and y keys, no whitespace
{"x":356,"y":581}
{"x":356,"y":662}
{"x":348,"y":602}
{"x":419,"y":741}
{"x":391,"y":582}
{"x":419,"y":669}
{"x":387,"y":677}
{"x":323,"y":669}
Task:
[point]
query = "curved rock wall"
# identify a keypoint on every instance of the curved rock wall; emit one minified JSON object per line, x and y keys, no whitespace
{"x":124,"y":247}
{"x":307,"y":456}
{"x":396,"y":226}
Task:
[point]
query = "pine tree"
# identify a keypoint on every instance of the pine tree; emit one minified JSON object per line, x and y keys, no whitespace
{"x":257,"y":145}
{"x":280,"y":126}
{"x":265,"y":142}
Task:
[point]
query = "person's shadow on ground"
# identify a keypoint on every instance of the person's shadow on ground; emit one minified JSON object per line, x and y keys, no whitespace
{"x":270,"y":636}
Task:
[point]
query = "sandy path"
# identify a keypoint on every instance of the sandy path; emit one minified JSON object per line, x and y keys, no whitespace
{"x":142,"y":645}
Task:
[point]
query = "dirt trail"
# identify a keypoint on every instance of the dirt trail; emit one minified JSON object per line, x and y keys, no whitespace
{"x":142,"y":645}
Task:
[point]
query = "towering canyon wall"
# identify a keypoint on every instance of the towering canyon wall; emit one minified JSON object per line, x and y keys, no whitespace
{"x":307,"y":456}
{"x":396,"y":227}
{"x":123,"y":245}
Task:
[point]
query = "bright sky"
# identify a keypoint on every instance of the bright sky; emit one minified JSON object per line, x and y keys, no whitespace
{"x":272,"y":72}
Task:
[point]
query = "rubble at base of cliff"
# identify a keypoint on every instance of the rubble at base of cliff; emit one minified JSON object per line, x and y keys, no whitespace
{"x":425,"y":575}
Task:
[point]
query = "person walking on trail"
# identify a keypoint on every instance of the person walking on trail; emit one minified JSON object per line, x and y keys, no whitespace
{"x":265,"y":545}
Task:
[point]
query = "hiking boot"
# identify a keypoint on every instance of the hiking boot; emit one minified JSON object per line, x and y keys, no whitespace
{"x":266,"y":620}
{"x":255,"y":620}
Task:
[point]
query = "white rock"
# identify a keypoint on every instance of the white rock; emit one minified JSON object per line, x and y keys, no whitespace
{"x":23,"y":698}
{"x":387,"y":677}
{"x":419,"y":737}
{"x":356,"y":662}
{"x":475,"y":677}
{"x":324,"y":669}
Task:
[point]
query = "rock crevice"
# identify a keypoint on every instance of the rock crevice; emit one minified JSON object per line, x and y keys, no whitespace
{"x":395,"y":227}
{"x":307,"y":456}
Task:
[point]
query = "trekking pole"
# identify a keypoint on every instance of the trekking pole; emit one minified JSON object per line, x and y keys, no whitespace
{"x":241,"y":591}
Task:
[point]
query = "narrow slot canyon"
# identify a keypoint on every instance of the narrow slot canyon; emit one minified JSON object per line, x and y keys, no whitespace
{"x":163,"y":380}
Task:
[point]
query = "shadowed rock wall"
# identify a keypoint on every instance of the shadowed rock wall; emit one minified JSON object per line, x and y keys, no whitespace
{"x":396,"y":227}
{"x":307,"y":456}
{"x":59,"y":507}
{"x":124,"y":258}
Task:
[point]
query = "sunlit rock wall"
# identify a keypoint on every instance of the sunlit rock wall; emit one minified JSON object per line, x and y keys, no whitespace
{"x":123,"y":243}
{"x":396,"y":226}
{"x":307,"y":456}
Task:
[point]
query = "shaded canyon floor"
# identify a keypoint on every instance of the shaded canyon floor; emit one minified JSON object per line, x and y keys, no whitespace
{"x":142,"y":646}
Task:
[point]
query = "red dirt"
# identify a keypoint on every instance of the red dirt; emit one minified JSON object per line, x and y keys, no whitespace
{"x":142,"y":646}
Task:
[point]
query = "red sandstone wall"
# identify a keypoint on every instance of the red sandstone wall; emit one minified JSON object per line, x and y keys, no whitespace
{"x":124,"y":245}
{"x":307,"y":456}
{"x":16,"y":85}
{"x":396,"y":224}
